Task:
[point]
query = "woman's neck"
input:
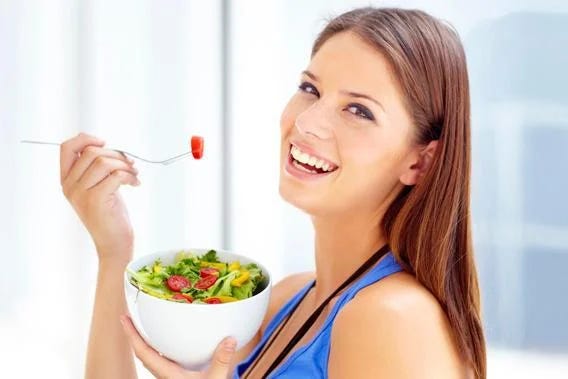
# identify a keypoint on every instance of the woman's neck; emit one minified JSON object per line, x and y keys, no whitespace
{"x":342,"y":245}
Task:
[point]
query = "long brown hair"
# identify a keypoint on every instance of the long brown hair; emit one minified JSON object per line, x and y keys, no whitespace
{"x":428,"y":225}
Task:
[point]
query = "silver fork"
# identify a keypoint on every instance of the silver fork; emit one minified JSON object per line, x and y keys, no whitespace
{"x":125,"y":153}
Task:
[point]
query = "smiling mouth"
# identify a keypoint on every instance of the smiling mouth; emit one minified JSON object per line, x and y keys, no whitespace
{"x":308,"y":163}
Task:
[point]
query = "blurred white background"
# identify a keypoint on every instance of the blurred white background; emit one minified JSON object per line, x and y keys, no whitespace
{"x":145,"y":75}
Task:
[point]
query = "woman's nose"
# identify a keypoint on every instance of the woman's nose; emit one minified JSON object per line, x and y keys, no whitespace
{"x":315,"y":121}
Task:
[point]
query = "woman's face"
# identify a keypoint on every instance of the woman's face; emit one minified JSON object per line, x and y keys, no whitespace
{"x":346,"y":136}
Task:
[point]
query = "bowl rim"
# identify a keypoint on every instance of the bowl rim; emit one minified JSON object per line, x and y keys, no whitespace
{"x":176,"y":251}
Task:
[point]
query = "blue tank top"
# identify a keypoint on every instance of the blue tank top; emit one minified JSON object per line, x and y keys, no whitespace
{"x":310,"y":360}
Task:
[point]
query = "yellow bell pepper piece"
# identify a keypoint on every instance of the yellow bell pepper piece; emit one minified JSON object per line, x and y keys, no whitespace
{"x":234,"y":266}
{"x":218,"y":266}
{"x":157,"y":269}
{"x":154,"y":293}
{"x":226,"y":299}
{"x":245,"y":275}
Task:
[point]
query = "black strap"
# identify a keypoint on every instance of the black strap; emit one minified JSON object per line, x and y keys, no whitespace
{"x":307,"y":325}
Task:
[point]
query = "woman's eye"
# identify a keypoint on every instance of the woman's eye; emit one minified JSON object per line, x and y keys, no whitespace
{"x":308,"y":88}
{"x":360,"y":111}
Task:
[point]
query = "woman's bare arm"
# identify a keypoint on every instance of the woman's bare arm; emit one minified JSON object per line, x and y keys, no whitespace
{"x":109,"y":354}
{"x":90,"y":178}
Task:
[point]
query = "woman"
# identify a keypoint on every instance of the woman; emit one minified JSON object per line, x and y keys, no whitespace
{"x":376,"y":149}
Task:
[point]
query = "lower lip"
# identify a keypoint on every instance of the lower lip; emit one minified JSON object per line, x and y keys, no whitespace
{"x":300,"y":174}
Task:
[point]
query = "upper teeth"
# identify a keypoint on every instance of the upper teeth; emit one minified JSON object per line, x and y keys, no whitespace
{"x":305,"y":158}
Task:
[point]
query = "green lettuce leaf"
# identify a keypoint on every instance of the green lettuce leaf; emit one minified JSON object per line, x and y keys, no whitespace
{"x":255,"y":273}
{"x":244,"y":291}
{"x":222,"y":286}
{"x":210,"y":256}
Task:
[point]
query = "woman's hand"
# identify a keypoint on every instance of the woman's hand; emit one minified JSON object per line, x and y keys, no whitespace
{"x":91,"y":177}
{"x":162,"y":367}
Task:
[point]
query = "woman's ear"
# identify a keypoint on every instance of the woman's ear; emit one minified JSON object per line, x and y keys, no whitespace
{"x":419,"y":163}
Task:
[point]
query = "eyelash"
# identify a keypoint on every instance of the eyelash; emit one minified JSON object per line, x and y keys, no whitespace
{"x":305,"y":85}
{"x":361,"y":111}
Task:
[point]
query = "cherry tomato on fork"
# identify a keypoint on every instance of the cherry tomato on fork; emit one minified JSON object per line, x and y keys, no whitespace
{"x":206,"y":282}
{"x":197,"y":147}
{"x":177,"y":282}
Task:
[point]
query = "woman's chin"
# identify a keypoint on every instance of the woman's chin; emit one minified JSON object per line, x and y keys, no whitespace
{"x":308,"y":203}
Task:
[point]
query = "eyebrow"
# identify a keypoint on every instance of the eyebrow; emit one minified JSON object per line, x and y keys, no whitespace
{"x":312,"y":76}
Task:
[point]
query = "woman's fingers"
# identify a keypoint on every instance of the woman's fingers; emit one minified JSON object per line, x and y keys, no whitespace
{"x":112,"y":182}
{"x":70,"y":149}
{"x":84,"y":164}
{"x":221,"y":361}
{"x":101,"y":168}
{"x":87,"y":157}
{"x":152,"y":360}
{"x":86,"y":168}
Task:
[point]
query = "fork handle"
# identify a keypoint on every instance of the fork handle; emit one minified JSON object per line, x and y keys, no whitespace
{"x":40,"y":142}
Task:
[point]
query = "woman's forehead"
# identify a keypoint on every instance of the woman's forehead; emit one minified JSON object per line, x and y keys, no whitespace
{"x":347,"y":62}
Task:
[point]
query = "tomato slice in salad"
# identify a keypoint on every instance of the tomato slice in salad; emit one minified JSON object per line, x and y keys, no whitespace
{"x":177,"y":282}
{"x":183,"y":297}
{"x":206,"y":282}
{"x":197,"y":147}
{"x":207,"y":271}
{"x":213,"y":300}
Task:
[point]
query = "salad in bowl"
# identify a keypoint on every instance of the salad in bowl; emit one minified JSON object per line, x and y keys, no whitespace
{"x":184,"y":302}
{"x":198,"y":279}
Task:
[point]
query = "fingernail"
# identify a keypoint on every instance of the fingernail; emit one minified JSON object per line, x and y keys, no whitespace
{"x":230,"y":344}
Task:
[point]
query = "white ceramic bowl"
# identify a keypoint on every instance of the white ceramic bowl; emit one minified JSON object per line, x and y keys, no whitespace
{"x":189,"y":333}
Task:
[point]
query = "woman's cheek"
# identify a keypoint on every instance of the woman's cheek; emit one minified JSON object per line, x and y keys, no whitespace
{"x":287,"y":119}
{"x":293,"y":109}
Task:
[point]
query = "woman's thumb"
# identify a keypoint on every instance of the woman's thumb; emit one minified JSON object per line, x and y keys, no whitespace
{"x":221,"y":361}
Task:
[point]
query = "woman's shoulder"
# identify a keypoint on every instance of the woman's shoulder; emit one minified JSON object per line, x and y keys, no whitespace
{"x":398,"y":327}
{"x":399,"y":292}
{"x":398,"y":301}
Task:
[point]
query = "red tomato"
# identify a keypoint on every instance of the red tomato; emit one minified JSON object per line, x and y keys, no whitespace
{"x":177,"y":282}
{"x":206,"y":271}
{"x":197,"y":147}
{"x":213,"y":300}
{"x":206,"y":282}
{"x":182,"y":296}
